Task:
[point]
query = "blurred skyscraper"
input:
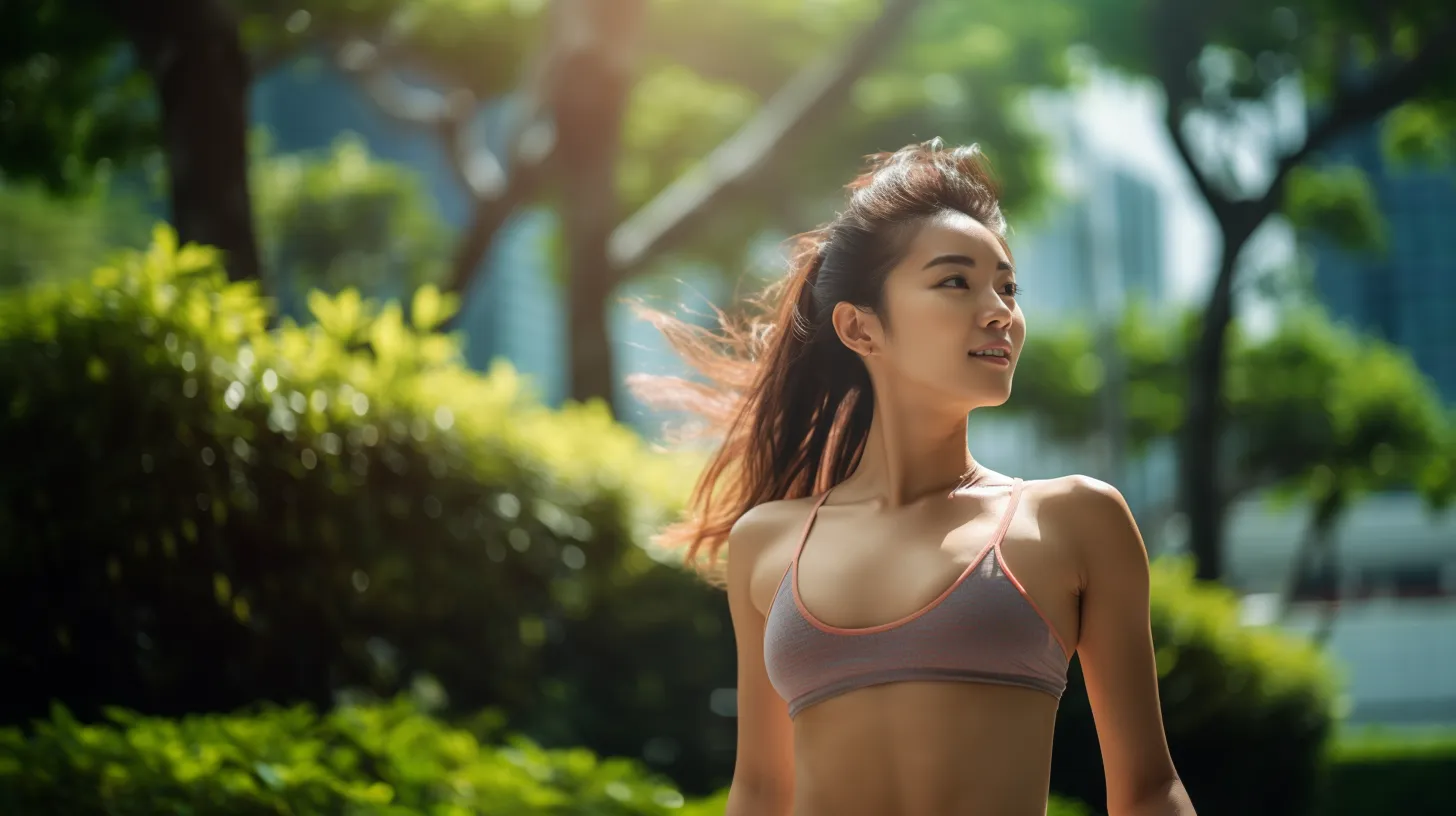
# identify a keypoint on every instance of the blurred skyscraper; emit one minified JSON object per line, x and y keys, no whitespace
{"x":1407,"y":293}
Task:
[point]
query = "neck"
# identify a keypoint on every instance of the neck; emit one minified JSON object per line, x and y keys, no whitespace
{"x":911,"y":453}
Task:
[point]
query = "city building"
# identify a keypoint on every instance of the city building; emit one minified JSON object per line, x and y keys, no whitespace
{"x":1405,"y":293}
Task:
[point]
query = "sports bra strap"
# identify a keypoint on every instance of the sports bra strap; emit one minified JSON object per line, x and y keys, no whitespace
{"x":1007,"y":515}
{"x":809,"y":524}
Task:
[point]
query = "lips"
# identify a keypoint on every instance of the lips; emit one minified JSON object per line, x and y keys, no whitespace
{"x":999,"y":352}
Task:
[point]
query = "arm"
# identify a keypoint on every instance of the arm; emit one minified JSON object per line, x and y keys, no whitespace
{"x":763,"y":772}
{"x":1116,"y":649}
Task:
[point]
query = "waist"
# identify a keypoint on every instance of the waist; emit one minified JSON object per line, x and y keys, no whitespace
{"x":925,"y":748}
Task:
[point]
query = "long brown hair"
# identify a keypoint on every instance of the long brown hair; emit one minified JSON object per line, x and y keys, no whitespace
{"x":792,"y":403}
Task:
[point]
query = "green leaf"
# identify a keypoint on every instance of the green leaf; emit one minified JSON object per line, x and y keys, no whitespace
{"x":1337,"y":202}
{"x":1420,"y":133}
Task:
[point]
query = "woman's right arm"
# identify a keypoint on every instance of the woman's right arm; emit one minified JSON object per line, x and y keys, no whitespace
{"x":763,"y":773}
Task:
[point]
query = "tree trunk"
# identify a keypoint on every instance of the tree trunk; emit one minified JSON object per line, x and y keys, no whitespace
{"x":1201,"y":491}
{"x":588,"y":214}
{"x":1314,"y":545}
{"x":590,"y":102}
{"x":193,"y":53}
{"x":588,"y":209}
{"x":1323,"y":548}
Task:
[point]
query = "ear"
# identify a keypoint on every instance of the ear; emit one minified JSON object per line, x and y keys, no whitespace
{"x":858,"y":329}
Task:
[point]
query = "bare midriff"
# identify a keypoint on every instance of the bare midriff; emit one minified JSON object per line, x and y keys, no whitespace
{"x":925,"y":749}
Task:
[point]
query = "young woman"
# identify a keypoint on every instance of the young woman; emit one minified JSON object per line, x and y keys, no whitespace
{"x":904,"y":615}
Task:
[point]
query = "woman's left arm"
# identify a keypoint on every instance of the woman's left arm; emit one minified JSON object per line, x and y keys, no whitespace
{"x":1116,"y":650}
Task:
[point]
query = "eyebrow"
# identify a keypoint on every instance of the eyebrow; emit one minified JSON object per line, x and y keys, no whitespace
{"x":964,"y":260}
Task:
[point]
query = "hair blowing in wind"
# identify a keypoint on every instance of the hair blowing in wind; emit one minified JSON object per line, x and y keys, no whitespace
{"x":790,"y":402}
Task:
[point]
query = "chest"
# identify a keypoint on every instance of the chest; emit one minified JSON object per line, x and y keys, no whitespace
{"x":856,"y":571}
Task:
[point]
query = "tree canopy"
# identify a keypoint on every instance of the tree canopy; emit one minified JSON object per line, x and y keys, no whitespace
{"x":655,"y":130}
{"x":1226,"y":70}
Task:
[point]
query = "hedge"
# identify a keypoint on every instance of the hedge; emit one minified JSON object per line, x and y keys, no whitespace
{"x":198,"y":512}
{"x":1239,"y":703}
{"x":387,"y":759}
{"x":1391,"y":772}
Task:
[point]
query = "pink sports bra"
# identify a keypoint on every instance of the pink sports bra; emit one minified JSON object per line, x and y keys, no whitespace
{"x":983,"y":629}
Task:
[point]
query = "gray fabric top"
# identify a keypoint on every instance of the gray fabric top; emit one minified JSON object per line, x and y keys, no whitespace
{"x":982,"y":629}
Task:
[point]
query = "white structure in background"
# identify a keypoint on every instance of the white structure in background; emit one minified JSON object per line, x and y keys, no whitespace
{"x":1131,"y":223}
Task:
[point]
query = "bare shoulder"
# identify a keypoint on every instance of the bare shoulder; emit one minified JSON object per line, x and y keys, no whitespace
{"x":764,"y":521}
{"x":1077,"y":495}
{"x":1087,"y":516}
{"x":761,"y":544}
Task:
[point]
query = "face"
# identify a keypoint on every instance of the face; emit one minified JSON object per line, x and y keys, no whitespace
{"x":955,"y":330}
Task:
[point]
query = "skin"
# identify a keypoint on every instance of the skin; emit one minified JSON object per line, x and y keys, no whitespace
{"x":889,"y":540}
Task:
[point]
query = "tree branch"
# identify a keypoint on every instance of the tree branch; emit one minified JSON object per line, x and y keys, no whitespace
{"x":1178,"y":34}
{"x":497,"y":183}
{"x":792,"y":112}
{"x":478,"y":169}
{"x":1367,"y":103}
{"x":530,"y":143}
{"x":1217,"y":201}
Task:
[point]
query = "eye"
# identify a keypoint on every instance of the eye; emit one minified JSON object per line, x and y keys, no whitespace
{"x":1011,"y":290}
{"x":958,"y":280}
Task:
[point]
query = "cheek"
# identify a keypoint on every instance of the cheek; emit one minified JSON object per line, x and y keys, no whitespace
{"x":1018,"y":327}
{"x":930,"y":325}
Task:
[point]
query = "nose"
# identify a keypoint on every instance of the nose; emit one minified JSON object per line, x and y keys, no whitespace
{"x":994,"y":311}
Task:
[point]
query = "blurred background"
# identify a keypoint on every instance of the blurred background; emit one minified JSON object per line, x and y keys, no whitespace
{"x":325,"y":492}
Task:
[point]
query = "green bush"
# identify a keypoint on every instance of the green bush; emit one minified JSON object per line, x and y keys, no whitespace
{"x":1376,"y":773}
{"x":373,"y":760}
{"x":43,"y":235}
{"x":387,"y":760}
{"x":197,"y":513}
{"x":1247,"y":710}
{"x":340,"y":219}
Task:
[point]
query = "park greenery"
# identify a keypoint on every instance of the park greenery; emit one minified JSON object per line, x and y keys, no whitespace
{"x":271,"y":546}
{"x":638,"y":122}
{"x":342,"y":510}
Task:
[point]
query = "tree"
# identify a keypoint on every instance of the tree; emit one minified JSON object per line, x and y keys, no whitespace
{"x":1221,"y":65}
{"x":591,"y":130}
{"x":657,"y":131}
{"x":71,"y":105}
{"x":1342,"y":415}
{"x":75,"y":98}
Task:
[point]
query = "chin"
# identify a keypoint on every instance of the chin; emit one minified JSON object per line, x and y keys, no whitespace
{"x":995,"y":400}
{"x":985,"y":398}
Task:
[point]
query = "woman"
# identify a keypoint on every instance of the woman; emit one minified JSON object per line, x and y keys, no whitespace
{"x":904,"y":615}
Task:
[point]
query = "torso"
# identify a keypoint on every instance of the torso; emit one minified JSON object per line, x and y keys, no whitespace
{"x":916,"y":748}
